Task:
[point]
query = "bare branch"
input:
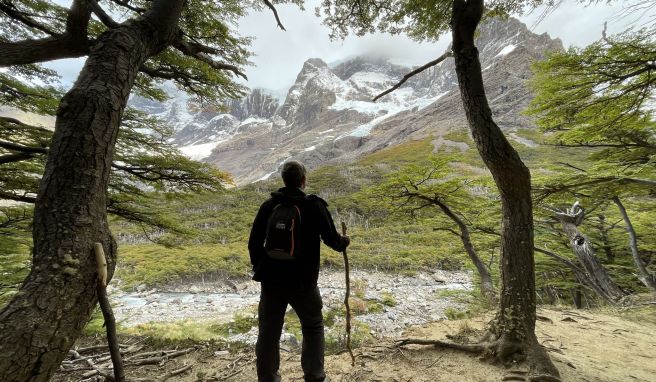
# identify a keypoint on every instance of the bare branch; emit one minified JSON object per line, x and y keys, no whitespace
{"x":12,"y":158}
{"x":201,"y":53}
{"x":23,"y":149}
{"x":414,"y":73}
{"x":275,"y":13}
{"x":571,"y":166}
{"x":452,"y":231}
{"x":23,"y":125}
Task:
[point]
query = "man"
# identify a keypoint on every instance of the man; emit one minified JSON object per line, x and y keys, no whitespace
{"x":284,"y":249}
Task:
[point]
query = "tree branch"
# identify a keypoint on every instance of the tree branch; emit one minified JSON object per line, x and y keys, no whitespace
{"x":23,"y":149}
{"x":126,"y":4}
{"x":102,"y":15}
{"x":201,"y":53}
{"x":23,"y":125}
{"x":12,"y":158}
{"x":11,"y":11}
{"x":72,"y":43}
{"x":413,"y":73}
{"x":550,"y":190}
{"x":275,"y":13}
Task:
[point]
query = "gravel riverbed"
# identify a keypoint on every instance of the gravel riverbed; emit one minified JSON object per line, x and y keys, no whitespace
{"x":415,"y":300}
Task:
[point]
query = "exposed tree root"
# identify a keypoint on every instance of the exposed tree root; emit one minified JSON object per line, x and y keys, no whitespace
{"x":528,"y":354}
{"x":99,"y":364}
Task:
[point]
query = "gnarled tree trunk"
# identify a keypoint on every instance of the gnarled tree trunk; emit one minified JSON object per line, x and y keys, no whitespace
{"x":39,"y":326}
{"x":514,"y":327}
{"x":595,"y":273}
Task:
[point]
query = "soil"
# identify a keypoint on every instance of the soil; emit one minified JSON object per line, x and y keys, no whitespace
{"x":586,"y":346}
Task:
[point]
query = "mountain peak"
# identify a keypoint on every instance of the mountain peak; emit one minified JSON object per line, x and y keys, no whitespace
{"x":497,"y":34}
{"x":328,"y":116}
{"x":313,"y":64}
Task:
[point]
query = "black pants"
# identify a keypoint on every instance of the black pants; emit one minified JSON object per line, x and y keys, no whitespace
{"x":273,"y":304}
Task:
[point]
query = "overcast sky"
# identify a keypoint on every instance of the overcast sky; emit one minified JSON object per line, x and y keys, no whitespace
{"x":279,"y":55}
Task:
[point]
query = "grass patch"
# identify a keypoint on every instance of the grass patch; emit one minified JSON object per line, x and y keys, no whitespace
{"x":388,"y":299}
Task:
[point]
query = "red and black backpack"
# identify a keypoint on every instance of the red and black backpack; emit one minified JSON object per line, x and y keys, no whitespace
{"x":283,"y":239}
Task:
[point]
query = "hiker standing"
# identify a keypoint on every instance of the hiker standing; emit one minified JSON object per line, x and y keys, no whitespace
{"x":284,"y":248}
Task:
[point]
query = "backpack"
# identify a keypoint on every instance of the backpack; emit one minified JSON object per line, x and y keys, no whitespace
{"x":283,"y":238}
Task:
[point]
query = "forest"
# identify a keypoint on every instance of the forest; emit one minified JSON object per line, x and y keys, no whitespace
{"x":514,"y":243}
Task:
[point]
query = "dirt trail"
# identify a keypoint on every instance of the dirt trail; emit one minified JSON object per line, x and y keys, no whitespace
{"x":585,"y":346}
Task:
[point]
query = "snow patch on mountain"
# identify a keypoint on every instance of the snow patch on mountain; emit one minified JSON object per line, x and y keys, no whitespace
{"x":200,"y":151}
{"x":507,"y":49}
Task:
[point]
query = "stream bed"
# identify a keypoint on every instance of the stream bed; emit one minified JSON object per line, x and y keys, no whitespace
{"x":403,"y":300}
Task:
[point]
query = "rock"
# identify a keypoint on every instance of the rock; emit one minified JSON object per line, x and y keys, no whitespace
{"x":289,"y":339}
{"x":438,"y":278}
{"x":141,"y":288}
{"x":176,"y":301}
{"x":194,"y":289}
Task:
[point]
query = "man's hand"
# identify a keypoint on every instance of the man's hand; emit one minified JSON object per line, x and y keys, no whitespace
{"x":347,"y":240}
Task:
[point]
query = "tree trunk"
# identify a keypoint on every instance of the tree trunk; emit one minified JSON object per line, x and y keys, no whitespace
{"x":515,"y":324}
{"x":487,"y":286}
{"x":648,"y":279}
{"x":39,"y":326}
{"x":595,"y":272}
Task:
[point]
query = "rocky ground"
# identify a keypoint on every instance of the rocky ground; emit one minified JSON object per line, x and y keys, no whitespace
{"x":402,"y":301}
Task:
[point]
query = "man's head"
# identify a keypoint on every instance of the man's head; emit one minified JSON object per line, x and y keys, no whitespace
{"x":293,"y":174}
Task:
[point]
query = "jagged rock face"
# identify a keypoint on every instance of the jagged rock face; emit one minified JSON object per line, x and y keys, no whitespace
{"x":327,"y":115}
{"x":350,"y":67}
{"x":219,"y":127}
{"x":313,"y":90}
{"x":257,"y":104}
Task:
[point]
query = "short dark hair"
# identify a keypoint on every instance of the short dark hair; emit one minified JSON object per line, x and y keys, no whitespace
{"x":293,"y":173}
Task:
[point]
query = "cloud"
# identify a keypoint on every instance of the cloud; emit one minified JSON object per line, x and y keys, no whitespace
{"x":279,"y":55}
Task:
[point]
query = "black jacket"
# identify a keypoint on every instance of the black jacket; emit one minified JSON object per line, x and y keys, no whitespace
{"x":316,"y":225}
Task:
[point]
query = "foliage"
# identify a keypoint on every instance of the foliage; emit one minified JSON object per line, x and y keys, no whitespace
{"x":14,"y":249}
{"x":419,"y":19}
{"x":598,"y":100}
{"x":152,"y":264}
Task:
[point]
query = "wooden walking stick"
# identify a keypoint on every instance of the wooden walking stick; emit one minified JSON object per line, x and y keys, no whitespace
{"x":346,"y":301}
{"x":108,"y":315}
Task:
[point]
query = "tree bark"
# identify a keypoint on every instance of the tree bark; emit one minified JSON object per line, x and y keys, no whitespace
{"x":39,"y":326}
{"x":515,"y":322}
{"x":487,"y":286}
{"x":595,"y":273}
{"x":648,"y":279}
